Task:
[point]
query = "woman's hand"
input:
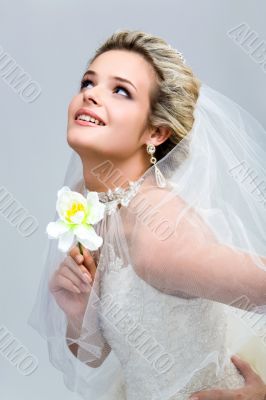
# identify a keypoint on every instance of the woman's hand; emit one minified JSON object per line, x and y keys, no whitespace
{"x":71,"y":283}
{"x":254,"y":389}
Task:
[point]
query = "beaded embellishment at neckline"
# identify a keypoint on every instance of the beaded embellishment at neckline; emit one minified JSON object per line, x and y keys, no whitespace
{"x":118,"y":196}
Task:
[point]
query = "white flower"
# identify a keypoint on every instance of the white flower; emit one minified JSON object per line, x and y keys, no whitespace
{"x":77,"y":214}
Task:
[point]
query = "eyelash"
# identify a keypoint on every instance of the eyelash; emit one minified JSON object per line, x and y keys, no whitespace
{"x":84,"y":81}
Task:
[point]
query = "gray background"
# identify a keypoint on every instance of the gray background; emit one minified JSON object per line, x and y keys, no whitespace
{"x":52,"y":41}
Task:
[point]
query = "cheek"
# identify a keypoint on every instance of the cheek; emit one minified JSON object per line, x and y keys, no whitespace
{"x":127,"y":119}
{"x":72,"y":107}
{"x":124,"y":125}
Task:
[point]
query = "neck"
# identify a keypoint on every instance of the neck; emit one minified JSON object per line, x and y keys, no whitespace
{"x":100,"y":176}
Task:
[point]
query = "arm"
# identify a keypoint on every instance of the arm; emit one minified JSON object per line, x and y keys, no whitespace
{"x":254,"y":388}
{"x":63,"y":285}
{"x":223,"y":274}
{"x":74,"y":333}
{"x":192,"y":261}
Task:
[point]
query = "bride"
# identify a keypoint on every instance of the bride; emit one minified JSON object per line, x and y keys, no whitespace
{"x":159,"y":308}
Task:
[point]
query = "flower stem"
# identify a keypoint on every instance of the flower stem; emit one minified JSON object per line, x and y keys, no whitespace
{"x":80,"y":248}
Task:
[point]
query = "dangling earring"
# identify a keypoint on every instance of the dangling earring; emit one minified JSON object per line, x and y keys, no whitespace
{"x":160,"y":179}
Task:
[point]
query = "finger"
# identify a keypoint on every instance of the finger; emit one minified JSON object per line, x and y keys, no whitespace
{"x":245,"y":369}
{"x":215,"y":394}
{"x":63,"y":283}
{"x":79,"y":270}
{"x":67,"y":273}
{"x":89,"y":262}
{"x":76,"y":255}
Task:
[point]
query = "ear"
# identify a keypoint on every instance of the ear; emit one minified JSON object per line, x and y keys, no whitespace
{"x":159,"y":135}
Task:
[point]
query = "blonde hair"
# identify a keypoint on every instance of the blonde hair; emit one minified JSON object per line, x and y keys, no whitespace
{"x":175,"y":94}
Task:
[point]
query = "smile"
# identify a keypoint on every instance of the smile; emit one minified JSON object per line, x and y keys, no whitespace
{"x":86,"y":123}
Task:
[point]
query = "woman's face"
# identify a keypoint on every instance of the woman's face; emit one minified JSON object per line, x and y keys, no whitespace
{"x":123,"y":106}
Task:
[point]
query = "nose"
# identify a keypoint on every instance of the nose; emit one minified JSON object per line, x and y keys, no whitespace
{"x":90,"y":95}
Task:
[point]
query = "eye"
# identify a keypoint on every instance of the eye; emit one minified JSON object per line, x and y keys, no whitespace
{"x":125,"y":90}
{"x":85,"y":82}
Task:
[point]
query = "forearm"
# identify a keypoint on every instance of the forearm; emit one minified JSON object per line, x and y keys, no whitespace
{"x":73,"y":332}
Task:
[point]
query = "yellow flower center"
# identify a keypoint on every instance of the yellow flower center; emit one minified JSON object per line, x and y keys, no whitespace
{"x":76,"y":207}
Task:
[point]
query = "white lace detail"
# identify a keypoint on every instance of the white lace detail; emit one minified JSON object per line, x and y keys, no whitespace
{"x":115,"y":263}
{"x":118,"y":196}
{"x":135,"y":308}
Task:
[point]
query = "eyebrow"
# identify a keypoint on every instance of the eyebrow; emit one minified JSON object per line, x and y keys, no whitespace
{"x":118,"y":78}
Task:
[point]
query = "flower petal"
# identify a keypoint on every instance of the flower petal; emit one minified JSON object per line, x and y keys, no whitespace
{"x":55,"y":229}
{"x":66,"y":241}
{"x":63,"y":190}
{"x":66,"y":199}
{"x":96,"y":214}
{"x":95,"y":207}
{"x":92,"y":197}
{"x":87,"y":236}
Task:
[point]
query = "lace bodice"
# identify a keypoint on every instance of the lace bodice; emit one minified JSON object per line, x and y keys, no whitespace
{"x":157,"y":337}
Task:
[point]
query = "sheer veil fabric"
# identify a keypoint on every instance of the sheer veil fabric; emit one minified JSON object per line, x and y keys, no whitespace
{"x":195,"y":244}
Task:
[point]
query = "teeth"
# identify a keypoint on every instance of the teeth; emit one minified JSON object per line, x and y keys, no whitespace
{"x":85,"y":117}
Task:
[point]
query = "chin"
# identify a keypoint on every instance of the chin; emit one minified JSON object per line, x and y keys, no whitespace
{"x":76,"y":140}
{"x":80,"y":143}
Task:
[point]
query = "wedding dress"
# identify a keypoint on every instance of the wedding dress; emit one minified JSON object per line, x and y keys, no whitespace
{"x":183,"y":246}
{"x":152,"y":358}
{"x":141,"y":324}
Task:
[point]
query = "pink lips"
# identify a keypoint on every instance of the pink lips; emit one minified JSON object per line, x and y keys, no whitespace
{"x":86,"y":111}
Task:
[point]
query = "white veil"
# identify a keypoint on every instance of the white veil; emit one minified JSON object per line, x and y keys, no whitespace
{"x":202,"y":236}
